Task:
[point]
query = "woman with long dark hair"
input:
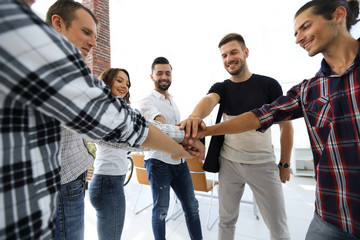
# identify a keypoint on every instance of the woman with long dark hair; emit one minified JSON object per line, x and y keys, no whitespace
{"x":106,"y":188}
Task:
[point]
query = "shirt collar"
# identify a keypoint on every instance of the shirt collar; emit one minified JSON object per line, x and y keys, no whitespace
{"x":159,"y":95}
{"x":357,"y":58}
{"x":326,"y":70}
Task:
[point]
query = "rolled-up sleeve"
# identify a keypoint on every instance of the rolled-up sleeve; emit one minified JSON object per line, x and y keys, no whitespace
{"x":284,"y":108}
{"x":61,"y":86}
{"x":149,"y":109}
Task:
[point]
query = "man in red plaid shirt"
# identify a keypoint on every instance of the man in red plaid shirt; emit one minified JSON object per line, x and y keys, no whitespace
{"x":330,"y":105}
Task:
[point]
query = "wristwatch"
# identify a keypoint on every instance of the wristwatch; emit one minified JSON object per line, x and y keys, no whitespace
{"x":284,"y":165}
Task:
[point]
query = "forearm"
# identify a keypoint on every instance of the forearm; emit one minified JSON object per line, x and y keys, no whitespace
{"x":204,"y":107}
{"x":170,"y":130}
{"x":242,"y":123}
{"x":123,"y":146}
{"x":286,"y":144}
{"x":158,"y":140}
{"x":286,"y":141}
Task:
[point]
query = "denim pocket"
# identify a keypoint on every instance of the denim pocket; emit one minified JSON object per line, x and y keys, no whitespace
{"x":158,"y":171}
{"x":156,"y":163}
{"x":75,"y":189}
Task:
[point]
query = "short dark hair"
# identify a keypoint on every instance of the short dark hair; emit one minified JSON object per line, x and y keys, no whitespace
{"x":326,"y":8}
{"x":160,"y":60}
{"x":66,"y":10}
{"x":108,"y":76}
{"x":232,"y":37}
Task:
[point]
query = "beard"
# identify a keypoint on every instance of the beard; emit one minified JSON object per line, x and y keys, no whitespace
{"x":163,"y":87}
{"x":236,"y":71}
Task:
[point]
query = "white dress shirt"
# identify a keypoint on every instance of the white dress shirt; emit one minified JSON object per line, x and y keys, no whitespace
{"x":155,"y":105}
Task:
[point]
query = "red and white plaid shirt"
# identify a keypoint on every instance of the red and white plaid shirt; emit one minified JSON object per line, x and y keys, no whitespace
{"x":330,"y":105}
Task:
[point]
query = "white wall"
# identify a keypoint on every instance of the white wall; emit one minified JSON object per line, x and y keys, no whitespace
{"x":187,"y":32}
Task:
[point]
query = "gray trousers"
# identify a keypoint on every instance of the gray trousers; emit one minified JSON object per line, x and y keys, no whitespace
{"x":264,"y":181}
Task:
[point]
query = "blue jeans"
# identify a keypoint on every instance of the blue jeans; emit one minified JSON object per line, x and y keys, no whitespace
{"x":70,"y":211}
{"x":162,"y":176}
{"x":322,"y":230}
{"x":108,"y":198}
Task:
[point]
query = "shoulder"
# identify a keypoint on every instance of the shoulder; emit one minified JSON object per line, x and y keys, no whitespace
{"x":264,"y":78}
{"x":266,"y":81}
{"x":148,"y":97}
{"x":220,"y":84}
{"x":218,"y":88}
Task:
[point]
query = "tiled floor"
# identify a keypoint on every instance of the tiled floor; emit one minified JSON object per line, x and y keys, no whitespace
{"x":299,"y":197}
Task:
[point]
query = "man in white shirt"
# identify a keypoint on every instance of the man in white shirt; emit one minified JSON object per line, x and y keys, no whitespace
{"x":162,"y":170}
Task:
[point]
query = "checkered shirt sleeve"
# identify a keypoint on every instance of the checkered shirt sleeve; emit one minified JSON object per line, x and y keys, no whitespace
{"x":44,"y":83}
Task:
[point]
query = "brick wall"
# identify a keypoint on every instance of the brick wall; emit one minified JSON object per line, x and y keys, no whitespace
{"x":99,"y":59}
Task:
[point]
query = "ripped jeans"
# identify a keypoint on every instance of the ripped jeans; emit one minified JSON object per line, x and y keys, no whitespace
{"x":162,"y":176}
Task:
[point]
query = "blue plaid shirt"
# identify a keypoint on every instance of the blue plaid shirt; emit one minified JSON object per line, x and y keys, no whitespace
{"x":330,"y":105}
{"x":44,"y":84}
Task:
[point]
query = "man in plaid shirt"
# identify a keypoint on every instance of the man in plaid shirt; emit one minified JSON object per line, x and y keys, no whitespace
{"x":330,"y":106}
{"x":44,"y":83}
{"x":79,"y":25}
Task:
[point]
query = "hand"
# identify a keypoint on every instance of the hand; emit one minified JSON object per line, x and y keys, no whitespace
{"x":284,"y":174}
{"x":194,"y":147}
{"x":191,"y":126}
{"x":202,"y":133}
{"x":181,"y":153}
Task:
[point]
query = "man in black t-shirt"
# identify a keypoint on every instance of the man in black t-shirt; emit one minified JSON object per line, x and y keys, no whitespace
{"x":247,"y":158}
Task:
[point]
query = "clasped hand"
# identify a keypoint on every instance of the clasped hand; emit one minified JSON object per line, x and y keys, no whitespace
{"x":193,"y":127}
{"x":194,"y":147}
{"x":191,"y":142}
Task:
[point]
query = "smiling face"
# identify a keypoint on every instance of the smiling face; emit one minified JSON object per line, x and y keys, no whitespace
{"x":234,"y":56}
{"x":120,"y":85}
{"x":313,"y":32}
{"x":162,"y":76}
{"x":81,"y":32}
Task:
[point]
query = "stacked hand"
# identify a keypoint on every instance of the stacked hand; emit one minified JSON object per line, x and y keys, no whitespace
{"x":191,"y":142}
{"x":190,"y":148}
{"x":193,"y":127}
{"x":194,"y":147}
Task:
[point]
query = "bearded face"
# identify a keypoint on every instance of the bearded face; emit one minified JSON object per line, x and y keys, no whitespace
{"x":162,"y":76}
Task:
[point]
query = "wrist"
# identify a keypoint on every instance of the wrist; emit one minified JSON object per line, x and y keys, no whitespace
{"x":194,"y":116}
{"x":284,"y":165}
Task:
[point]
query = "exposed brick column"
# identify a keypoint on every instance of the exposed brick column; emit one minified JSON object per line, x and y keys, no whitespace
{"x":99,"y":59}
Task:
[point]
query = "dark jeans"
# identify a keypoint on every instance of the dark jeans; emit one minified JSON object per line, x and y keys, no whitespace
{"x":162,"y":176}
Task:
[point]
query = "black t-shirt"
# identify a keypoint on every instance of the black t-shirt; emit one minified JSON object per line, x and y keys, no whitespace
{"x":245,"y":96}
